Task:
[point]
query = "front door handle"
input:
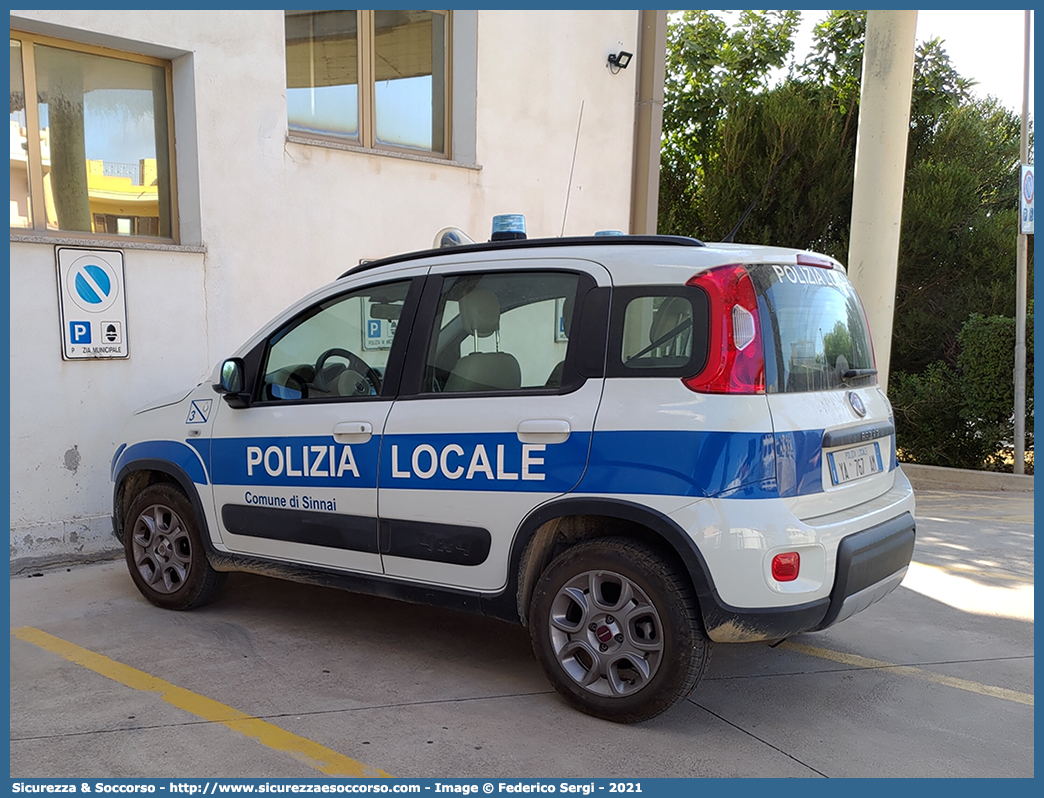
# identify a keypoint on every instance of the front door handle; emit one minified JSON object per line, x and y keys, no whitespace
{"x":543,"y":430}
{"x":353,"y":432}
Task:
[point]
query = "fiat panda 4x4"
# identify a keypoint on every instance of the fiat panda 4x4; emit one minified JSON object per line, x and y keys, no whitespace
{"x":633,"y":445}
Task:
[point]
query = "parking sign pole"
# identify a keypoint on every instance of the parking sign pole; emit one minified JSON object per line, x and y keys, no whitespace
{"x":1021,"y":270}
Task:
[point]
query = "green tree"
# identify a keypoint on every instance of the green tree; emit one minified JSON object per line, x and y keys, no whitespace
{"x":837,"y":56}
{"x":960,"y":222}
{"x":709,"y":67}
{"x":733,"y":139}
{"x":962,"y":416}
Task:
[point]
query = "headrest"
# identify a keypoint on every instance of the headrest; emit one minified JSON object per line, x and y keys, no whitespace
{"x":480,"y":312}
{"x":669,"y":315}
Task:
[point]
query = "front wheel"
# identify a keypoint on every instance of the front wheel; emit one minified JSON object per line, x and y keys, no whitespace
{"x":617,"y":630}
{"x":164,"y":550}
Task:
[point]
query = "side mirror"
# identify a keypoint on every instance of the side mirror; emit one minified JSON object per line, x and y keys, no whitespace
{"x":231,"y":385}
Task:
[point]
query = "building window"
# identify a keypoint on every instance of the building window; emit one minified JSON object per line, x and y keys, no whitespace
{"x":378,"y":79}
{"x":90,"y":140}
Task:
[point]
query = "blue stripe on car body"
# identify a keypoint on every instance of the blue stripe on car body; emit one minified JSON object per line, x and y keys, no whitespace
{"x":181,"y":455}
{"x":697,"y":464}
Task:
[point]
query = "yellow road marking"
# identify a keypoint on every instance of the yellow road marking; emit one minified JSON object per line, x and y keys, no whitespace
{"x":300,"y":748}
{"x":907,"y":670}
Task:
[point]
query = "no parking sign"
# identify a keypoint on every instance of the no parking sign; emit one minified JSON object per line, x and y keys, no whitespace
{"x":1026,"y":201}
{"x":92,"y":303}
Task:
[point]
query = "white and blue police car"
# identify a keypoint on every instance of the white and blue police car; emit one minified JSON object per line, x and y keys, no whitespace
{"x":633,"y":445}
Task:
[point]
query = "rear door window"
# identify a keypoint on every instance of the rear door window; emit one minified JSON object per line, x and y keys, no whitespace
{"x":502,"y":332}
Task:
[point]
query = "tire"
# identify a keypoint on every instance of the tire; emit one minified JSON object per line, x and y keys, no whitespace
{"x":617,"y":630}
{"x":164,"y":550}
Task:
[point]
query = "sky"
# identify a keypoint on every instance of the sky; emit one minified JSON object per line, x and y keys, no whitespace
{"x":986,"y":46}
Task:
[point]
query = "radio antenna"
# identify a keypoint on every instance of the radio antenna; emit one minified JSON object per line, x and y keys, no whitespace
{"x":729,"y":238}
{"x":572,"y":163}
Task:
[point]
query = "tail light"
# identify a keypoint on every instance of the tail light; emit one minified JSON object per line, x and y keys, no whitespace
{"x":736,"y":355}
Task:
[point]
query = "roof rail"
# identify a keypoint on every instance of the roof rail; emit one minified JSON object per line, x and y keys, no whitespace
{"x":529,"y":243}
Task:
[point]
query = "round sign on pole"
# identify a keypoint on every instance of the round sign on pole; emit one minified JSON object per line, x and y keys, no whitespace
{"x":1026,"y":201}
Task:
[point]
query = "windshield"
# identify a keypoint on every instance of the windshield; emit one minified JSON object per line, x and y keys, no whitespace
{"x":816,"y":334}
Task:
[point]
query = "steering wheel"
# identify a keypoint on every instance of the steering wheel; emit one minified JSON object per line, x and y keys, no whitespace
{"x":355,"y":362}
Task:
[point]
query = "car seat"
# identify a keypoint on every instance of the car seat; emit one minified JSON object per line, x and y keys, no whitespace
{"x":483,"y":371}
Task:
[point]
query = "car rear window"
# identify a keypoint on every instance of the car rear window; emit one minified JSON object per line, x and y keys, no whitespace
{"x":816,"y":336}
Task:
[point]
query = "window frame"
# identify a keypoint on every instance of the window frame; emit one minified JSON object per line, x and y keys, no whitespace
{"x":367,"y":71}
{"x":38,"y":225}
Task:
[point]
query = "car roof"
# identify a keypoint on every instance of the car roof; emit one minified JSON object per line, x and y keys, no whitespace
{"x":529,"y":243}
{"x":611,"y":247}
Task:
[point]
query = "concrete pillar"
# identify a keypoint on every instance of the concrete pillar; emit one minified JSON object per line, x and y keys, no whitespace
{"x":880,"y":171}
{"x":648,"y":120}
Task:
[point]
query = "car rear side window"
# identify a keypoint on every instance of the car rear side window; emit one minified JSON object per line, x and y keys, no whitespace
{"x":658,"y":331}
{"x":816,"y":333}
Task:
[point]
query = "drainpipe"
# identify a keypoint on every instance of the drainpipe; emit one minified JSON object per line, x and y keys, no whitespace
{"x":648,"y":120}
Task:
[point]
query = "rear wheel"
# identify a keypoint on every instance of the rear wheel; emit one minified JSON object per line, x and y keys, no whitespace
{"x":164,"y":550}
{"x":617,"y":630}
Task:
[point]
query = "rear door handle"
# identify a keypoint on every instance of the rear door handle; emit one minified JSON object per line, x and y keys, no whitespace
{"x":543,"y":430}
{"x":353,"y":432}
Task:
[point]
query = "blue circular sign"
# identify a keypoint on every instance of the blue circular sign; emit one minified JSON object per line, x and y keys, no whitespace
{"x":93,"y":284}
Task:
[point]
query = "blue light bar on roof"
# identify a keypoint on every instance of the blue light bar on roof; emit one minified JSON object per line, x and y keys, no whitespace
{"x":508,"y":227}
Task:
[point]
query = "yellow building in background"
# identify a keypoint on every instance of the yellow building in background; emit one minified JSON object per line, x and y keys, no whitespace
{"x":126,"y":204}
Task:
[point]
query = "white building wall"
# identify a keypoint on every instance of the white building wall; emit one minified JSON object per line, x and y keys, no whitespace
{"x":264,"y":220}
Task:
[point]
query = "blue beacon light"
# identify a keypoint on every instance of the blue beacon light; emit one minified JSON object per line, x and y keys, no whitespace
{"x":508,"y":227}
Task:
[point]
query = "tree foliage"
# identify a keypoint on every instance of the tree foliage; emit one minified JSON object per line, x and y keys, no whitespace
{"x":962,"y":416}
{"x":733,"y":139}
{"x":748,"y":122}
{"x":959,"y":228}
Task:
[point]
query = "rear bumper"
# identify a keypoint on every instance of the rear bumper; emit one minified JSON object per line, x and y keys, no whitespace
{"x":870,"y":565}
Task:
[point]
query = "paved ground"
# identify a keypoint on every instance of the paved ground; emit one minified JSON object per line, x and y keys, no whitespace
{"x":283,"y":680}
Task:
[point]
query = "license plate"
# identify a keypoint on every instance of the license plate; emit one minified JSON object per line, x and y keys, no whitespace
{"x":856,"y":462}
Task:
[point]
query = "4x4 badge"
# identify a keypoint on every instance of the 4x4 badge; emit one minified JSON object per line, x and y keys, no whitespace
{"x":857,"y":403}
